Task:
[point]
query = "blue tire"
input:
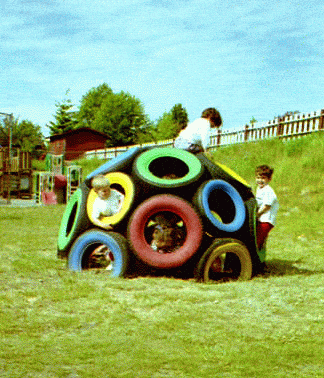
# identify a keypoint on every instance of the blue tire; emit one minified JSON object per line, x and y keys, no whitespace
{"x":221,"y":172}
{"x":97,"y":249}
{"x":221,"y":206}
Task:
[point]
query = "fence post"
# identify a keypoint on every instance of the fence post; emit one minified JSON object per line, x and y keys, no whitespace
{"x":218,"y":140}
{"x":321,"y":121}
{"x":246,"y":133}
{"x":280,"y":126}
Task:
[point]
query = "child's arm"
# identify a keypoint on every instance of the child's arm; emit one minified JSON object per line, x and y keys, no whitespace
{"x":97,"y":217}
{"x":106,"y":226}
{"x":263,"y":209}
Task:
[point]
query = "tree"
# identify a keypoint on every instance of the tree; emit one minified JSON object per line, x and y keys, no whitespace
{"x":65,"y":117}
{"x":180,"y":116}
{"x":166,"y":127}
{"x":253,"y":121}
{"x":24,"y":135}
{"x":169,"y":125}
{"x":91,"y":104}
{"x":120,"y":116}
{"x":146,"y":132}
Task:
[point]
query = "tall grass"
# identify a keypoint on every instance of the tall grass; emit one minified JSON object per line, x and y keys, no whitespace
{"x":56,"y":323}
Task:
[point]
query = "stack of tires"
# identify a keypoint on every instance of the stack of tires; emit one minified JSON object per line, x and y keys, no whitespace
{"x":212,"y":208}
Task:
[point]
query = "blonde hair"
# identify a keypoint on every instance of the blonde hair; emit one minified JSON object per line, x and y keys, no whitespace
{"x":99,"y":182}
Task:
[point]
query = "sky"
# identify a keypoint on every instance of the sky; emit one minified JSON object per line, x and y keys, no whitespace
{"x":247,"y":58}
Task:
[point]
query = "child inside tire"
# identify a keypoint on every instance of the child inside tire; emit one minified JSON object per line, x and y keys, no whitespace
{"x":167,"y":235}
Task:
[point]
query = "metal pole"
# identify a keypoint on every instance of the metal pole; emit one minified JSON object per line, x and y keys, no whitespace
{"x":10,"y":121}
{"x":9,"y":157}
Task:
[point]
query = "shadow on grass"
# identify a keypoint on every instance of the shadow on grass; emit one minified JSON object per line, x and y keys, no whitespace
{"x":288,"y":268}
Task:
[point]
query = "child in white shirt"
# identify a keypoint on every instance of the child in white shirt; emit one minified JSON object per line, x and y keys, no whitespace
{"x":267,"y":201}
{"x":195,"y":137}
{"x":108,"y":202}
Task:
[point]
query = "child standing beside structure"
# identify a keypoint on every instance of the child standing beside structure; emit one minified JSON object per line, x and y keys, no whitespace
{"x":268,"y":204}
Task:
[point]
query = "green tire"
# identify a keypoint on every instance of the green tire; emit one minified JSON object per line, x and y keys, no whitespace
{"x":74,"y":221}
{"x":152,"y":166}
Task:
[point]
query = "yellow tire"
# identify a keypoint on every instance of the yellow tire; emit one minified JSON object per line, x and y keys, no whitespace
{"x":124,"y":184}
{"x":226,"y":259}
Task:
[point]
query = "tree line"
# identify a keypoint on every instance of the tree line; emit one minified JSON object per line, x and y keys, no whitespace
{"x":120,"y":116}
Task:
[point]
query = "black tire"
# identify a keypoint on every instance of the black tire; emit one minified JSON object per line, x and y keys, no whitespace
{"x":226,"y":259}
{"x":74,"y":221}
{"x":222,"y":172}
{"x":167,"y":170}
{"x":258,"y":255}
{"x":121,"y":163}
{"x":100,"y":250}
{"x":251,"y":239}
{"x":221,"y":207}
{"x":138,"y":230}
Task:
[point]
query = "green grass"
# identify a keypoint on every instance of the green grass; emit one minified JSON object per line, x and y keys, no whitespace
{"x":57,"y":323}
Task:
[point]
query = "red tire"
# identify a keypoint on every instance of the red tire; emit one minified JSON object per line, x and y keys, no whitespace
{"x":140,"y":221}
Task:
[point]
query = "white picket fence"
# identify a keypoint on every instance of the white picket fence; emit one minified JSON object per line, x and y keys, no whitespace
{"x":290,"y":126}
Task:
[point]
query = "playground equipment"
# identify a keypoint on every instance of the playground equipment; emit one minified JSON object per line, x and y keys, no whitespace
{"x":182,"y":215}
{"x":58,"y":183}
{"x":15,"y":173}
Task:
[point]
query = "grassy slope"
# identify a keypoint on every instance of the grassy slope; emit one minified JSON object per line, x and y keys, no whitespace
{"x":55,"y":323}
{"x":299,"y":183}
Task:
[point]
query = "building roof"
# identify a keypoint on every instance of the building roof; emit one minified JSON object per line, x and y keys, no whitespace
{"x":76,"y":131}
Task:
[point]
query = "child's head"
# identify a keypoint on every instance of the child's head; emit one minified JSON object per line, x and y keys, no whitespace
{"x":263,"y":175}
{"x":213,"y":116}
{"x":101,"y":185}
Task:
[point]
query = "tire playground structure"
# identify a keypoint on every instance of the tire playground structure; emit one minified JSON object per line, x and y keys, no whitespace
{"x":182,"y":216}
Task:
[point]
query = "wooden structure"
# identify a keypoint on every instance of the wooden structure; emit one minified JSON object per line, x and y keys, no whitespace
{"x":73,"y":144}
{"x":290,"y":126}
{"x":58,"y":182}
{"x":74,"y":178}
{"x":44,"y":184}
{"x":16,"y":178}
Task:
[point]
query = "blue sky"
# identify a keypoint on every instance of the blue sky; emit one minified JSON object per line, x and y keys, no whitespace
{"x":246,"y":58}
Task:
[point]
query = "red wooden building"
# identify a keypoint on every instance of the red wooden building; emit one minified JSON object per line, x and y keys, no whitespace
{"x":73,"y":144}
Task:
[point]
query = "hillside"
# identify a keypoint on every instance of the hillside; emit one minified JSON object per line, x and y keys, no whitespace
{"x":299,"y":183}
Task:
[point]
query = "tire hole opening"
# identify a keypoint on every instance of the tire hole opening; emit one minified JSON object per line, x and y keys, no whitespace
{"x":168,"y":168}
{"x":221,"y":206}
{"x":97,"y":256}
{"x":71,"y":219}
{"x":225,"y":267}
{"x":165,"y":232}
{"x":118,"y":187}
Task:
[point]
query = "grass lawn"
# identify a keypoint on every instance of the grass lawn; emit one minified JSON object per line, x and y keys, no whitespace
{"x":56,"y":323}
